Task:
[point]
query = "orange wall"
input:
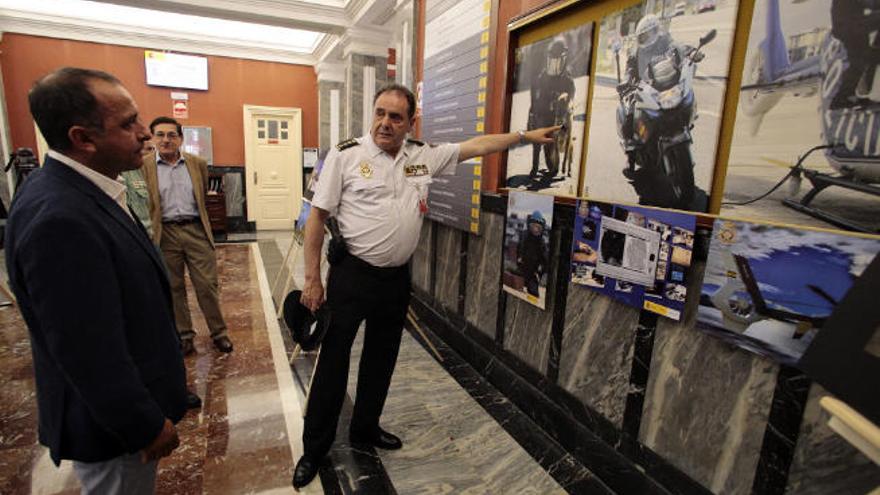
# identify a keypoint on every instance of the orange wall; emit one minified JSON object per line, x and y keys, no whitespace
{"x":232,"y":83}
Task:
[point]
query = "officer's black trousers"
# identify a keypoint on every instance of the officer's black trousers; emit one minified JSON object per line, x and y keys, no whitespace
{"x":356,"y":291}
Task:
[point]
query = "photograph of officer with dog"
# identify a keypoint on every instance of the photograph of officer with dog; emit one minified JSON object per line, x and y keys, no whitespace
{"x":550,"y":88}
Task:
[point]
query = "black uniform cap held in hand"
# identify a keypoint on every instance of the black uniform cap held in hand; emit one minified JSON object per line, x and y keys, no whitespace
{"x":306,"y":329}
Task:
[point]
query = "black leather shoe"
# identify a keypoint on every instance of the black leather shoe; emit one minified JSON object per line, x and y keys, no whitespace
{"x":187,"y":347}
{"x":381,"y":439}
{"x":223,"y":344}
{"x":192,"y":400}
{"x":305,"y":471}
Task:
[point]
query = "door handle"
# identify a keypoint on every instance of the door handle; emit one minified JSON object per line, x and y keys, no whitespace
{"x":255,"y":178}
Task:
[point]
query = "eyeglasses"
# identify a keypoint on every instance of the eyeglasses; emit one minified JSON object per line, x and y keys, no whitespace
{"x":170,"y":135}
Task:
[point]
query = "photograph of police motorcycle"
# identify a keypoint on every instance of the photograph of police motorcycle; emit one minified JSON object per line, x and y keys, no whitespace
{"x":527,"y":246}
{"x":550,"y":88}
{"x":809,"y":108}
{"x":661,"y":75}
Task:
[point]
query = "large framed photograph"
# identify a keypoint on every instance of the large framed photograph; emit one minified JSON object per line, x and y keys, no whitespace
{"x":770,"y":289}
{"x":660,"y":79}
{"x":527,"y":246}
{"x":808,"y":118}
{"x":638,"y":256}
{"x":550,"y":82}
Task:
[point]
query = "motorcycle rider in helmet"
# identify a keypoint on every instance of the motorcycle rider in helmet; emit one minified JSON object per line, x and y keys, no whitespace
{"x":531,"y":253}
{"x":551,"y":93}
{"x":653,"y":41}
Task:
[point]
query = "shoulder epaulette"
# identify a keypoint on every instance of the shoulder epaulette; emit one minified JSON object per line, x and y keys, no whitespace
{"x":416,"y":142}
{"x":348,"y":143}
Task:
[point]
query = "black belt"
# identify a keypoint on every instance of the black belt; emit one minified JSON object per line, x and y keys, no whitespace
{"x":379,"y":270}
{"x":181,"y":221}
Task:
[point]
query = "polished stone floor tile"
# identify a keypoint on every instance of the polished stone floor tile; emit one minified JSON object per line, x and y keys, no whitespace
{"x":246,"y":437}
{"x":237,"y":442}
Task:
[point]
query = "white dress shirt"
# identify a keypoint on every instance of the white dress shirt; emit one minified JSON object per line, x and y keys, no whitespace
{"x":113,"y":188}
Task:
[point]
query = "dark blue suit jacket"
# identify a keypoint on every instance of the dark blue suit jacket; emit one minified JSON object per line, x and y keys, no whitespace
{"x":95,"y":296}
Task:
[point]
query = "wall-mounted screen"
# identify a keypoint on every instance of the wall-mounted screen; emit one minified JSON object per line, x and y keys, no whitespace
{"x":176,"y":71}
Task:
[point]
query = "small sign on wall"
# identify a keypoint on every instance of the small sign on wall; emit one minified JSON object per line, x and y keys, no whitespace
{"x":180,"y":109}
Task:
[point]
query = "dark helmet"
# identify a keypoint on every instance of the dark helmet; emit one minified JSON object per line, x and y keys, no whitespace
{"x":537,"y":217}
{"x":557,"y":58}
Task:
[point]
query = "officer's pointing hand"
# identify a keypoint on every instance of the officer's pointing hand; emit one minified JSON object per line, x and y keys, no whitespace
{"x":543,"y":135}
{"x":312,"y":295}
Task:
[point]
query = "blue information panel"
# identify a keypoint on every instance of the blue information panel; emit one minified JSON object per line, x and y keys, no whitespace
{"x":454,"y":101}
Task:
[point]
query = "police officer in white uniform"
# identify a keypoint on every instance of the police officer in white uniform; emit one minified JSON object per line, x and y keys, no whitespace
{"x":376,"y":186}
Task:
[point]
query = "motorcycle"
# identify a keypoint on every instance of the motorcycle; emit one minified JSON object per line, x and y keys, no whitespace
{"x":662,"y":111}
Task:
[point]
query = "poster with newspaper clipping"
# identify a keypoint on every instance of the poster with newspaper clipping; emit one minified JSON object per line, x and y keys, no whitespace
{"x":638,"y":256}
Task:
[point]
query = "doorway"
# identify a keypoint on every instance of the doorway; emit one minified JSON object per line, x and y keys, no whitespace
{"x":273,"y":165}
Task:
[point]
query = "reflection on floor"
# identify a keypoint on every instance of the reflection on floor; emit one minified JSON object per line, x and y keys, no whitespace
{"x":246,"y":437}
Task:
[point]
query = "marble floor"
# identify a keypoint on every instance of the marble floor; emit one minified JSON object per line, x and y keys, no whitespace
{"x":246,"y":437}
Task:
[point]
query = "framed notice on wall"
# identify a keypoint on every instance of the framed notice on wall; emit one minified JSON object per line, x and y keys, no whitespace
{"x":198,"y":141}
{"x":453,"y":101}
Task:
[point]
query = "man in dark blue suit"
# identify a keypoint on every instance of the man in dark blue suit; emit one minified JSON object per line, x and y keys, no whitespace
{"x":109,"y":372}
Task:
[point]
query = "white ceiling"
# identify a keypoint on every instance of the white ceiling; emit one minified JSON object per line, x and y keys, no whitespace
{"x":291,"y":31}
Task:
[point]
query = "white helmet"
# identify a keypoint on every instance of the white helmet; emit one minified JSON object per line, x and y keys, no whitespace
{"x":648,"y":30}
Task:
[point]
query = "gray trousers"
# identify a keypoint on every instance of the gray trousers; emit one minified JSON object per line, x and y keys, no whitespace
{"x":123,"y":475}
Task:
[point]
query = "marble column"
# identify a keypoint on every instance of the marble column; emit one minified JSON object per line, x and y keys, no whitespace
{"x":329,"y":91}
{"x":446,"y":286}
{"x":707,"y":402}
{"x":331,"y":103}
{"x":484,"y":274}
{"x":597,"y":350}
{"x":354,"y":88}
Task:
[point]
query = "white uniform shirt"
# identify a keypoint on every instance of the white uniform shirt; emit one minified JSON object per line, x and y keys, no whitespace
{"x":375,"y":197}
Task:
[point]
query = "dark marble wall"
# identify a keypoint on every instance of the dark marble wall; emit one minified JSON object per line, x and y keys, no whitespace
{"x":706,"y":403}
{"x":824,"y":462}
{"x":597,"y":349}
{"x":484,"y":273}
{"x":527,"y":328}
{"x":448,"y":266}
{"x":687,"y":410}
{"x":421,"y":260}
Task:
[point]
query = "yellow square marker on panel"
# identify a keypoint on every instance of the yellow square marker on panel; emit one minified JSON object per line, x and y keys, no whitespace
{"x":479,"y":127}
{"x":487,"y":6}
{"x":483,"y":82}
{"x":478,"y":170}
{"x":477,"y":185}
{"x":475,"y":227}
{"x":484,"y":38}
{"x":481,"y":97}
{"x":475,"y":212}
{"x":481,"y":112}
{"x":485,"y":22}
{"x":475,"y":199}
{"x":484,"y":67}
{"x":484,"y":52}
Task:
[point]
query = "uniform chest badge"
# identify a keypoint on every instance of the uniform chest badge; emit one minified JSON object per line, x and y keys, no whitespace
{"x":366,"y":170}
{"x":415,"y":170}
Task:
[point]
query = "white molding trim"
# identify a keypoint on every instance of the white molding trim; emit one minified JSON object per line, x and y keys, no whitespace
{"x":326,"y":47}
{"x":324,"y":16}
{"x":330,"y":71}
{"x":374,"y":42}
{"x":119,"y":34}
